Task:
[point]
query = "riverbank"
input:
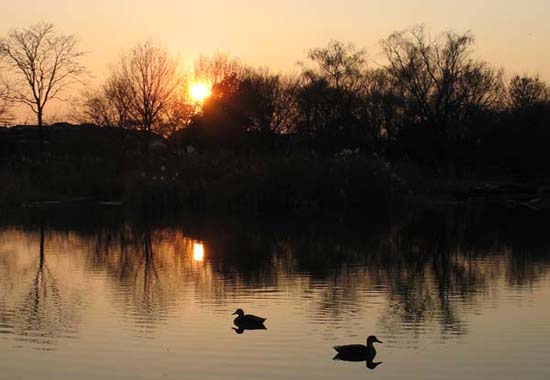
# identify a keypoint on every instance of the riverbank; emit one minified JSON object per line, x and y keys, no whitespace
{"x":221,"y":180}
{"x":82,"y":164}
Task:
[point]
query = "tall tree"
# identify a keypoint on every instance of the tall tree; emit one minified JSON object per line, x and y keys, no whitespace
{"x":443,"y":85}
{"x":331,"y":92}
{"x":342,"y":66}
{"x":382,"y":106}
{"x":264,"y":100}
{"x":42,"y":63}
{"x":149,"y":73}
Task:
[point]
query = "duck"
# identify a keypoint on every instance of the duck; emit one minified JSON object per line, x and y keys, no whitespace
{"x":358,"y":352}
{"x":248,"y":321}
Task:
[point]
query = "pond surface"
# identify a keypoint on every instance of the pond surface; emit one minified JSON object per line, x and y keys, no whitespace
{"x":453,"y":293}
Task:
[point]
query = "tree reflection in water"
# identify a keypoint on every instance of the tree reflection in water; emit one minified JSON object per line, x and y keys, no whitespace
{"x":431,"y":266}
{"x":33,"y":305}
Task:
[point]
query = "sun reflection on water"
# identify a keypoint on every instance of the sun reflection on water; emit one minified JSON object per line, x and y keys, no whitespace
{"x":198,"y":252}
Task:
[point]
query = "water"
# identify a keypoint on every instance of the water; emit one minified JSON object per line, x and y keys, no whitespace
{"x":454,"y":293}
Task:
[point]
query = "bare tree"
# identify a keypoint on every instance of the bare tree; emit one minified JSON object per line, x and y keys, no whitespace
{"x":42,"y":63}
{"x":119,"y":93}
{"x":331,"y":91}
{"x":526,"y":91}
{"x":217,"y":69}
{"x":442,"y":83}
{"x":149,"y":74}
{"x":110,"y":104}
{"x":342,"y":66}
{"x":264,"y":99}
{"x":383,"y":105}
{"x":98,"y":109}
{"x":180,"y":110}
{"x":5,"y":105}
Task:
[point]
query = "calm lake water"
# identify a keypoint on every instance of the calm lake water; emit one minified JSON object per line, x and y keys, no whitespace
{"x":453,"y":292}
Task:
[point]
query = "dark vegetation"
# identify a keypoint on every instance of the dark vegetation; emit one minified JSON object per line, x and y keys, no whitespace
{"x":93,"y":163}
{"x":340,"y":134}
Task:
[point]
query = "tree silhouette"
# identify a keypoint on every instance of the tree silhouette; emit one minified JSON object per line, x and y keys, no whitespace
{"x":383,"y":107}
{"x":443,"y":85}
{"x":5,"y":104}
{"x":42,"y":63}
{"x":110,"y":104}
{"x":146,"y":77}
{"x":330,"y":97}
{"x":526,"y":92}
{"x":217,"y":69}
{"x":43,"y":313}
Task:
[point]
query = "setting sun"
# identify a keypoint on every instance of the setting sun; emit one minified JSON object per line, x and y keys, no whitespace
{"x":199,"y":91}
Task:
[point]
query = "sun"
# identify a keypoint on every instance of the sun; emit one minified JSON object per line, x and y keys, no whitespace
{"x":199,"y":91}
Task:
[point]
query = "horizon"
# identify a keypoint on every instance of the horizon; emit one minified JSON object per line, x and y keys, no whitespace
{"x":508,"y":35}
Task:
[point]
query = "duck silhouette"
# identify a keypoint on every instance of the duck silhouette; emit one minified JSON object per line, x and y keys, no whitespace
{"x":248,"y":321}
{"x":359,"y":352}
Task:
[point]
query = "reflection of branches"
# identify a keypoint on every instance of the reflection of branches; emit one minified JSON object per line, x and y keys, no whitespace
{"x":429,"y":268}
{"x":145,"y":288}
{"x":42,"y":316}
{"x":150,"y":300}
{"x":429,"y":282}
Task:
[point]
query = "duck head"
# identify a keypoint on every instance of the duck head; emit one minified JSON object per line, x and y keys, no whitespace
{"x":239,"y":312}
{"x":372,"y":339}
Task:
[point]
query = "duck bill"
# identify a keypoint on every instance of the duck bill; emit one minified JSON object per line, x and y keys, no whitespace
{"x":378,"y":341}
{"x":235,"y":313}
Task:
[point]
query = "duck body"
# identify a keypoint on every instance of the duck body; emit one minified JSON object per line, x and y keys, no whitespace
{"x":357,"y":352}
{"x":248,"y":321}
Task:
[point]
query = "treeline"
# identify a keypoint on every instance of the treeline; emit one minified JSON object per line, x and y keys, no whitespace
{"x":341,"y":119}
{"x":433,"y":103}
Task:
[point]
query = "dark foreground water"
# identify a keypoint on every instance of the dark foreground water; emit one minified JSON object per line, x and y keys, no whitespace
{"x":454,"y":293}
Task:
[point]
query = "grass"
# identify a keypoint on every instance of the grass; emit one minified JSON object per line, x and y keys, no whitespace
{"x":212,"y":180}
{"x":271,"y":181}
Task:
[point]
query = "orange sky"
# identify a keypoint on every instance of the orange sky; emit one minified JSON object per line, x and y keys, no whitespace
{"x":277,"y":33}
